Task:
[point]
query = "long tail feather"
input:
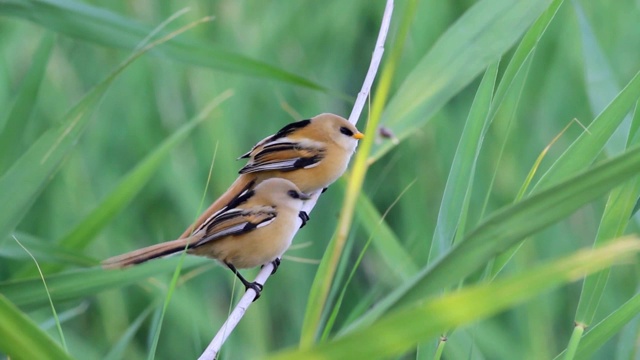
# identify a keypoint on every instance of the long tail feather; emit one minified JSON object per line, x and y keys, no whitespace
{"x":148,"y":253}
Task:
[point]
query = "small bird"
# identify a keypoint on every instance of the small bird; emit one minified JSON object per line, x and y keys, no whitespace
{"x":253,"y":229}
{"x":311,"y":153}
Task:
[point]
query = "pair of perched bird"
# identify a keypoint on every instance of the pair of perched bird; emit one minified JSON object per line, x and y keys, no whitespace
{"x":254,"y":221}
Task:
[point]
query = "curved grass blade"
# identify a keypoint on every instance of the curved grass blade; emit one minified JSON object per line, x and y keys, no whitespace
{"x":118,"y":350}
{"x":454,"y":206}
{"x":508,"y":226}
{"x":44,"y":251}
{"x":483,"y":34}
{"x":398,"y":331}
{"x":101,"y":26}
{"x":20,"y":338}
{"x":586,"y":148}
{"x":385,"y":241}
{"x":600,"y":80}
{"x":524,"y":51}
{"x":12,"y":127}
{"x":24,"y":181}
{"x":457,"y":191}
{"x":54,"y":313}
{"x":613,"y":224}
{"x":78,"y":284}
{"x":501,"y":260}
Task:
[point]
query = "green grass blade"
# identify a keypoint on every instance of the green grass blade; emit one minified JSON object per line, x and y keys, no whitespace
{"x":523,"y":52}
{"x":485,"y":32}
{"x":20,"y":338}
{"x":518,"y":66}
{"x":26,"y":178}
{"x":385,"y":241}
{"x":81,"y":283}
{"x":509,"y":105}
{"x":612,"y":225}
{"x":457,"y":191}
{"x":508,"y":226}
{"x":388,"y":242}
{"x":603,"y":331}
{"x":117,"y":352}
{"x":398,"y":331}
{"x":54,"y":313}
{"x":587,"y":147}
{"x":634,"y":133}
{"x":600,"y":81}
{"x":617,"y":213}
{"x":574,"y":341}
{"x":24,"y":181}
{"x":157,"y":326}
{"x":454,"y":207}
{"x":12,"y":127}
{"x":522,"y":219}
{"x":101,"y":26}
{"x":44,"y":251}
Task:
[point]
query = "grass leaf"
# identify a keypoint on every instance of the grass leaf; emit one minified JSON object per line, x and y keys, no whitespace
{"x":398,"y":332}
{"x":603,"y":331}
{"x":483,"y":34}
{"x":508,"y":226}
{"x":24,"y":181}
{"x":20,"y":337}
{"x":103,"y":27}
{"x":457,"y":191}
{"x":78,"y":284}
{"x":17,"y":118}
{"x":387,"y":244}
{"x":586,"y":148}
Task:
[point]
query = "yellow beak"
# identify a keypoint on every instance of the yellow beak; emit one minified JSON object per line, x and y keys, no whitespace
{"x":358,"y":135}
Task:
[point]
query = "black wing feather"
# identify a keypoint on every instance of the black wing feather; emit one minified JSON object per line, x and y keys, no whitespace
{"x":289,"y":128}
{"x":240,"y":228}
{"x":304,"y":162}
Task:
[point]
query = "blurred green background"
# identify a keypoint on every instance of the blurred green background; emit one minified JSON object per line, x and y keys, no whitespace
{"x":281,"y":62}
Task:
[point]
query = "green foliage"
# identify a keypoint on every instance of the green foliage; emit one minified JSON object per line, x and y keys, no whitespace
{"x":23,"y":338}
{"x":98,"y":158}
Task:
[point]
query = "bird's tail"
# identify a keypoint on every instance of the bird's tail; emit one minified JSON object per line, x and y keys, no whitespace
{"x":242,"y":183}
{"x":148,"y":253}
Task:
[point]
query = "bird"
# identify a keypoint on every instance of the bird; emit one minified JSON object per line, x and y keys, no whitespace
{"x":312,"y":153}
{"x":253,"y":229}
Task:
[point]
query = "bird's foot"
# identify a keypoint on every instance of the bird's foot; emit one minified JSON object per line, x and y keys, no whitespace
{"x":304,"y":216}
{"x":276,"y":264}
{"x":255,"y":286}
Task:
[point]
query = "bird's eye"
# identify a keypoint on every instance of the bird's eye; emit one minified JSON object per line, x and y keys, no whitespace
{"x":346,"y":131}
{"x":294,"y":194}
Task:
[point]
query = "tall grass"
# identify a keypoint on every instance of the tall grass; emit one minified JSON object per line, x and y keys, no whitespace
{"x":90,"y":168}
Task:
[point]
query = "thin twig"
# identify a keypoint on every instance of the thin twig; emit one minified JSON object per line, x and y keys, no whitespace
{"x":375,"y":63}
{"x":211,"y":352}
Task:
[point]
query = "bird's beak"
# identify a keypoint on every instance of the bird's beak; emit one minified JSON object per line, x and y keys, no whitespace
{"x":304,"y":196}
{"x":358,"y":135}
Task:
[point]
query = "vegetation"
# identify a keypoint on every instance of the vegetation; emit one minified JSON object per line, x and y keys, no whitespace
{"x":468,"y":214}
